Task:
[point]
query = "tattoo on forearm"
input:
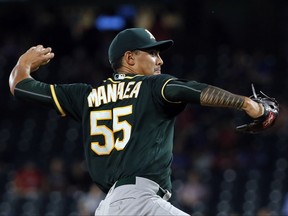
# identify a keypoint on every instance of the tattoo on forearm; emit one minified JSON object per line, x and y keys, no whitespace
{"x":213,"y":96}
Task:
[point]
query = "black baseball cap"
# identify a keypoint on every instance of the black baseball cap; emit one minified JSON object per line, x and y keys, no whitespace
{"x":132,"y":39}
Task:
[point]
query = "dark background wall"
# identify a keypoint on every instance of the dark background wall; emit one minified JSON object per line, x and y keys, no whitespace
{"x":216,"y":171}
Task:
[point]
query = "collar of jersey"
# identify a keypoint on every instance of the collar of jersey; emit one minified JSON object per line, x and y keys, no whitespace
{"x":121,"y":76}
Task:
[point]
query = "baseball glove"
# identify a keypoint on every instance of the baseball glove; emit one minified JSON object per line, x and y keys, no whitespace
{"x":267,"y":120}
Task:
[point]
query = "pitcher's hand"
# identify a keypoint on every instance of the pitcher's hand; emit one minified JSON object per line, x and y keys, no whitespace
{"x":36,"y":56}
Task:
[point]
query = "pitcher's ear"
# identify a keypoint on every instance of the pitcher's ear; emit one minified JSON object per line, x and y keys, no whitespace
{"x":129,"y":57}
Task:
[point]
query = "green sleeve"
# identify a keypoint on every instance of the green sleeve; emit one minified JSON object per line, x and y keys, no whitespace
{"x":184,"y":91}
{"x":70,"y":99}
{"x":34,"y":91}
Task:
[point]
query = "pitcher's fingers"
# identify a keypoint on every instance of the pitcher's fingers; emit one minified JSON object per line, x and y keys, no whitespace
{"x":49,"y":56}
{"x":46,"y":50}
{"x":39,"y":47}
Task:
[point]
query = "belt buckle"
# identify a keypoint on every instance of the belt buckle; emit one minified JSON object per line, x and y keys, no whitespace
{"x":167,"y":195}
{"x":164,"y":193}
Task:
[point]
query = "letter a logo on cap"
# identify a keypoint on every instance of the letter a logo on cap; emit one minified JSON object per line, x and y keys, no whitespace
{"x":151,"y":36}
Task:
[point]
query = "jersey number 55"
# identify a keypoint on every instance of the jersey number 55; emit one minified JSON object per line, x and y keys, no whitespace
{"x":108,"y":134}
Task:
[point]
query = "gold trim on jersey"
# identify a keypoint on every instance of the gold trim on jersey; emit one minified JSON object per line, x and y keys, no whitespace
{"x":131,"y":77}
{"x":52,"y":88}
{"x":126,"y":77}
{"x":162,"y":92}
{"x":113,"y":81}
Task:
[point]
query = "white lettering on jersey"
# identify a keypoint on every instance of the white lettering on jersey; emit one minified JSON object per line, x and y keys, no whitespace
{"x":113,"y":92}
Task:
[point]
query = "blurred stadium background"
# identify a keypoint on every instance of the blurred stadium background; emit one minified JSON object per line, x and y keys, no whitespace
{"x":216,"y":171}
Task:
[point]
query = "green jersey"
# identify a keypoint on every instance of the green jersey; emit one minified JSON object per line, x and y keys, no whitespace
{"x":127,"y":126}
{"x":127,"y":122}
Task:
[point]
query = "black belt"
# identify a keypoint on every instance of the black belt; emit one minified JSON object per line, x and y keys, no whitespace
{"x":132,"y":180}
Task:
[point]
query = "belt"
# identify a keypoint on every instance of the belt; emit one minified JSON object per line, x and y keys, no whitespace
{"x":163,"y":193}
